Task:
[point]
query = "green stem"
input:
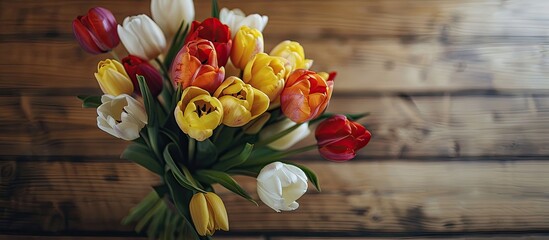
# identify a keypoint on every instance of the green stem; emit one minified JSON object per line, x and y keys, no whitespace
{"x":263,"y":160}
{"x":157,"y":207}
{"x":218,"y":132}
{"x":277,"y":136}
{"x":192,"y":147}
{"x":167,"y":81}
{"x":114,"y":55}
{"x":153,"y":143}
{"x":292,"y":152}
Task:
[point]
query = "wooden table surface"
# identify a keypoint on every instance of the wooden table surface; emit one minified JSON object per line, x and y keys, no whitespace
{"x":458,"y":92}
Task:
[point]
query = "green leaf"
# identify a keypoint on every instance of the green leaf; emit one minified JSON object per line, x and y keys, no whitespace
{"x":142,"y":155}
{"x":353,"y":117}
{"x":278,"y":135}
{"x":225,"y":134}
{"x":260,"y":156}
{"x":213,"y":176}
{"x":181,"y":199}
{"x":183,"y":179}
{"x":234,"y":157}
{"x":90,"y":101}
{"x":177,"y":43}
{"x":161,"y":190}
{"x":310,"y":175}
{"x":206,"y":153}
{"x":215,"y":9}
{"x":250,"y":171}
{"x":177,"y":193}
{"x":148,"y":99}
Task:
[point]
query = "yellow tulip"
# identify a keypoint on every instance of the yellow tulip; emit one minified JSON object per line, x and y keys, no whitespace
{"x":267,"y":74}
{"x":241,"y":102}
{"x":294,"y":53}
{"x":246,"y":44}
{"x":112,"y":78}
{"x":208,"y":213}
{"x":198,"y":113}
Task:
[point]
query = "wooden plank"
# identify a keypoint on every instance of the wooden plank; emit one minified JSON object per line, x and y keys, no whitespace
{"x":415,"y":127}
{"x":311,"y":19}
{"x":15,"y":237}
{"x":27,"y":237}
{"x":374,"y":66}
{"x":468,"y":237}
{"x":359,"y":197}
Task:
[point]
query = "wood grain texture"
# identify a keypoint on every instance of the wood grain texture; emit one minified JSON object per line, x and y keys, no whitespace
{"x":383,"y":197}
{"x":458,"y":93}
{"x":364,"y":66}
{"x":388,"y":46}
{"x":414,"y":127}
{"x":311,"y":19}
{"x":490,"y":237}
{"x":470,"y":237}
{"x":28,"y":237}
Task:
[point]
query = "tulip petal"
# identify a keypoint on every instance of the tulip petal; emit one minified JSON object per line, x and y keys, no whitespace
{"x":131,"y":42}
{"x":219,"y":212}
{"x":199,"y":213}
{"x":280,"y":185}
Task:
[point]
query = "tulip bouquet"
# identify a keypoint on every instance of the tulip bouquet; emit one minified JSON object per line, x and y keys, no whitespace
{"x":202,"y":102}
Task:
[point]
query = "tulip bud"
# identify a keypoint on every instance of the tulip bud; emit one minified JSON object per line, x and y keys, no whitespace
{"x":295,"y":55}
{"x":96,"y":31}
{"x":112,"y":78}
{"x":247,"y":43}
{"x":169,"y":14}
{"x":241,"y":102}
{"x":267,"y":74}
{"x":142,"y":37}
{"x":136,"y":66}
{"x":198,"y":113}
{"x":279,"y":185}
{"x":208,"y":213}
{"x":216,"y":32}
{"x":196,"y":65}
{"x":288,"y":140}
{"x":305,"y":95}
{"x":121,"y":116}
{"x":339,"y":139}
{"x":236,"y":18}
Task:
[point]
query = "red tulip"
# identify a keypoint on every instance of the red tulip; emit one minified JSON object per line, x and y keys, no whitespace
{"x":136,"y":66}
{"x":305,"y":95}
{"x":339,"y":139}
{"x":196,"y":65}
{"x":216,"y":32}
{"x":96,"y":32}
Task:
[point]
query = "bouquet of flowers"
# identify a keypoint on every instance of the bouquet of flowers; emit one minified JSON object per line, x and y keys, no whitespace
{"x":209,"y":105}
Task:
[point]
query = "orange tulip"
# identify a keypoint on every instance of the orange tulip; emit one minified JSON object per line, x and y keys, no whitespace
{"x":196,"y":65}
{"x":305,"y":95}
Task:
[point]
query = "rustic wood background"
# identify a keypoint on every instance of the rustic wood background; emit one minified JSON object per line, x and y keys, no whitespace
{"x":458,"y":91}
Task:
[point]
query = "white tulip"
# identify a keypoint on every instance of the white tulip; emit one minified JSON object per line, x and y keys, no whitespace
{"x":142,"y":37}
{"x":287,"y":140}
{"x":236,"y":18}
{"x":121,"y":116}
{"x":169,"y":14}
{"x":279,"y":185}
